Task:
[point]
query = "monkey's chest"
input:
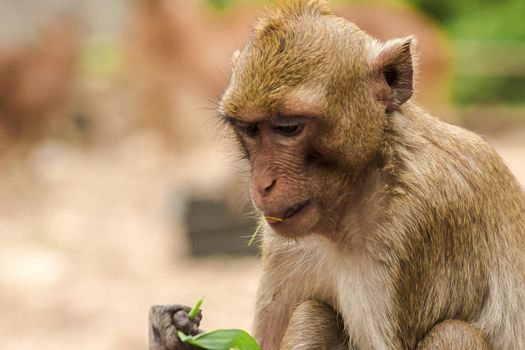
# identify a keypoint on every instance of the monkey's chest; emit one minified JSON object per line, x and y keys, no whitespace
{"x":360,"y":291}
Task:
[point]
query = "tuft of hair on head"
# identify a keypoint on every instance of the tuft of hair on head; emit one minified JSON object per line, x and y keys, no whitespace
{"x":304,"y":7}
{"x":275,"y":18}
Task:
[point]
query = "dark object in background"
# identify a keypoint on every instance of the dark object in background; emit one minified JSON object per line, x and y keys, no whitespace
{"x":214,"y":229}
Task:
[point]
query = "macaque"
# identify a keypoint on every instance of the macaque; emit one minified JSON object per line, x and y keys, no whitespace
{"x":384,"y":227}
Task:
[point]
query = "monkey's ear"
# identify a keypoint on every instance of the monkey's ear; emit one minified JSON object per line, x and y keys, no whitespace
{"x":393,"y":72}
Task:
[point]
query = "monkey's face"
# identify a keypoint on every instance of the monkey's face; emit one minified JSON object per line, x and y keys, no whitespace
{"x":307,"y":99}
{"x":291,"y":133}
{"x":287,"y":181}
{"x":293,"y":137}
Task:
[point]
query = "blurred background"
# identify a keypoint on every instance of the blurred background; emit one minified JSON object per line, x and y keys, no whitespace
{"x":117,"y":187}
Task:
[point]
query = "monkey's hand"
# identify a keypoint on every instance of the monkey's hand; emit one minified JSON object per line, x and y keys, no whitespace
{"x":165,"y":321}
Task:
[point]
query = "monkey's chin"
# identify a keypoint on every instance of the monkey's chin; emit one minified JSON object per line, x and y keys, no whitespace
{"x":300,"y":223}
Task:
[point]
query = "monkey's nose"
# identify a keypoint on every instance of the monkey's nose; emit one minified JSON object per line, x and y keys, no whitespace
{"x":269,"y":188}
{"x":265,"y":185}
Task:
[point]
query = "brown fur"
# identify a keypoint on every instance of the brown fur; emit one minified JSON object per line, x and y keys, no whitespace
{"x":311,"y":317}
{"x":454,"y":335}
{"x":413,"y":231}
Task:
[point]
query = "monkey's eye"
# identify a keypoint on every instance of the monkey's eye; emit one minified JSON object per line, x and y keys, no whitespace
{"x":289,"y":130}
{"x":250,"y":130}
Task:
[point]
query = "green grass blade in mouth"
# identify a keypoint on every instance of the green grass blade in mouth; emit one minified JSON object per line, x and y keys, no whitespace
{"x":259,"y":226}
{"x":273,"y":218}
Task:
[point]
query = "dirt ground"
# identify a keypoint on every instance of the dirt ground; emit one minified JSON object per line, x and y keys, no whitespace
{"x":89,"y":239}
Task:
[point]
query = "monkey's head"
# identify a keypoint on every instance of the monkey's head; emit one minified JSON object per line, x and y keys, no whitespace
{"x":309,"y":98}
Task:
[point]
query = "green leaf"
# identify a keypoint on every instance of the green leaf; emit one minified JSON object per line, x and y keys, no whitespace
{"x":195,"y":309}
{"x":222,"y":339}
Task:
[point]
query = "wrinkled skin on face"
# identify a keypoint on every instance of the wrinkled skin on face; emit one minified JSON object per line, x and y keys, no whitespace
{"x":287,"y":171}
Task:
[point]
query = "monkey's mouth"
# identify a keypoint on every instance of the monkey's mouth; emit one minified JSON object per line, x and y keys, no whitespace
{"x":288,"y":213}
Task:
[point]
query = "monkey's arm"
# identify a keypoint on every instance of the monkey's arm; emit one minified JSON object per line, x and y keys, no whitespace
{"x":314,"y":325}
{"x":280,"y":290}
{"x":273,"y":309}
{"x":454,"y":335}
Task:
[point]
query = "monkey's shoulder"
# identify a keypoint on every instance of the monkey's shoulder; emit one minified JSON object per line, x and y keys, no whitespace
{"x":436,"y":154}
{"x":449,"y":179}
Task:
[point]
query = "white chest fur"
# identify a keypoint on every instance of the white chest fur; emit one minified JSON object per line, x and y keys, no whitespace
{"x":361,"y":290}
